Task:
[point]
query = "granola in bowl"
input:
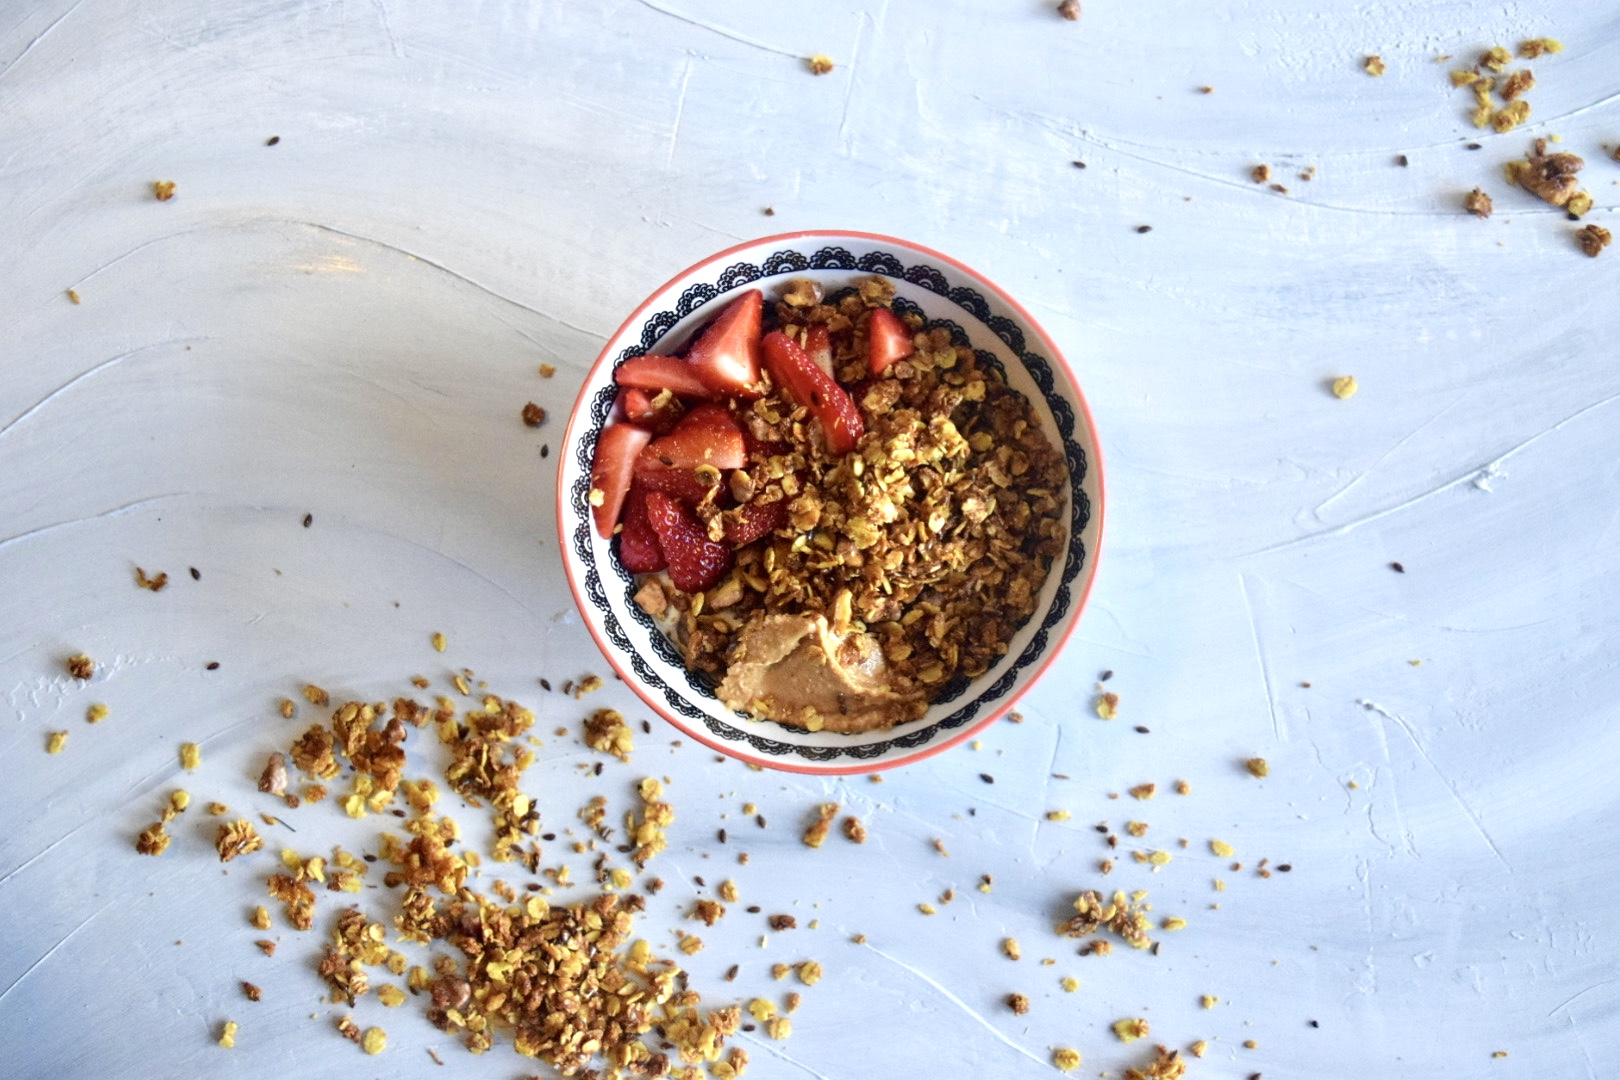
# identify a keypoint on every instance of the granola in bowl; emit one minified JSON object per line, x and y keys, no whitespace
{"x":859,"y":532}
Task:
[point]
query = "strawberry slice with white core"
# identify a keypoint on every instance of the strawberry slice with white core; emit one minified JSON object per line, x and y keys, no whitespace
{"x":726,"y":354}
{"x":611,"y":471}
{"x":816,"y":390}
{"x":656,"y":411}
{"x":887,"y":340}
{"x":818,"y":347}
{"x":657,"y":373}
{"x":705,"y":436}
{"x":695,"y":562}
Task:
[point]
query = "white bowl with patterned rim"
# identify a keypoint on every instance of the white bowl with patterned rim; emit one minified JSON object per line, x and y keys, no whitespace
{"x":945,"y":293}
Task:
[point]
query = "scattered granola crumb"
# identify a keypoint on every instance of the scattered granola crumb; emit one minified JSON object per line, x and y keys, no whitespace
{"x":190,"y":755}
{"x":1070,"y":984}
{"x":1345,"y":386}
{"x":1182,"y":787}
{"x":1478,"y":203}
{"x":155,"y":584}
{"x":1131,"y":1029}
{"x":1257,"y":767}
{"x":1108,"y":706}
{"x":1066,"y":1059}
{"x":855,"y":830}
{"x":1010,"y":947}
{"x":374,"y":1041}
{"x":260,"y":918}
{"x":317,"y":696}
{"x":1057,"y":815}
{"x":73,"y":296}
{"x":1069,"y":9}
{"x":820,"y":64}
{"x":817,"y":832}
{"x":1166,"y":1065}
{"x":1496,"y":58}
{"x":1516,"y":84}
{"x":266,"y":946}
{"x":81,"y":666}
{"x":237,"y":838}
{"x":1144,"y":791}
{"x":1549,"y":177}
{"x":1199,"y":1048}
{"x":939,"y":846}
{"x":164,"y":190}
{"x":55,"y":742}
{"x":810,"y":972}
{"x":1535,"y":47}
{"x":1374,"y":66}
{"x":1018,"y":1003}
{"x":1593,"y":239}
{"x":1250,"y":1044}
{"x":1260,"y":173}
{"x":606,"y":731}
{"x":533,"y":415}
{"x":253,"y":992}
{"x":227,"y":1034}
{"x":547,"y":370}
{"x":1221,"y":848}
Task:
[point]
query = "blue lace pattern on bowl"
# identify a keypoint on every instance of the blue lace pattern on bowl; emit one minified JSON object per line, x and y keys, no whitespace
{"x":791,"y":262}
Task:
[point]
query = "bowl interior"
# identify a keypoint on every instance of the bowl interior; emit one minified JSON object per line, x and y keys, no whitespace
{"x":945,"y":294}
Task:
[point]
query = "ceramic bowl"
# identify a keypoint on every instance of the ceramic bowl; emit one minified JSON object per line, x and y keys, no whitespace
{"x":946,"y":293}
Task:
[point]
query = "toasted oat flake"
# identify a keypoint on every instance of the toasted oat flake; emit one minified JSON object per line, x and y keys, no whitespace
{"x":1009,"y":946}
{"x":1131,"y":1029}
{"x":1174,"y":922}
{"x":96,"y":713}
{"x":55,"y":742}
{"x":1066,"y":1059}
{"x":73,"y":296}
{"x":1345,"y":386}
{"x":1516,"y":84}
{"x":1057,"y":815}
{"x":190,"y":755}
{"x":820,"y":64}
{"x":317,"y":696}
{"x":1018,"y":1003}
{"x":374,"y":1041}
{"x":1374,"y":66}
{"x":1478,"y":203}
{"x":816,"y":834}
{"x":809,"y":972}
{"x":1144,"y":791}
{"x":1221,"y":848}
{"x":1539,"y":46}
{"x":227,"y":1034}
{"x":163,"y":190}
{"x":1257,"y":767}
{"x":1496,"y":58}
{"x":260,"y":918}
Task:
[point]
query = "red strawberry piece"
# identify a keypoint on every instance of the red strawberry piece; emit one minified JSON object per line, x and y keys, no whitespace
{"x":657,"y":373}
{"x":653,"y":410}
{"x":887,"y":340}
{"x":639,"y":552}
{"x":682,"y":484}
{"x":695,"y":562}
{"x":705,"y":436}
{"x":818,"y":346}
{"x":611,"y":470}
{"x":726,"y":354}
{"x":816,"y":390}
{"x":755,"y":520}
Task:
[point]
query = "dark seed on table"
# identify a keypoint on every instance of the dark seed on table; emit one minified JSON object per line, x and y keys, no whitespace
{"x":753,"y":909}
{"x":1286,"y":867}
{"x":1141,"y":730}
{"x":196,"y":574}
{"x":598,"y":769}
{"x":272,"y":140}
{"x":987,"y":778}
{"x":1144,"y":228}
{"x":759,"y":819}
{"x":1105,"y":676}
{"x":721,"y":836}
{"x":545,"y":450}
{"x":1400,"y":159}
{"x":1473,"y":146}
{"x":309,"y":519}
{"x":545,"y":684}
{"x":1397,"y":567}
{"x":1313,"y":1023}
{"x":1079,"y":164}
{"x":646,"y":728}
{"x":213,"y":665}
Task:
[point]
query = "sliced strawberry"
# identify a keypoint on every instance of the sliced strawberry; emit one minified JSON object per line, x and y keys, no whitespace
{"x":887,"y":340}
{"x":682,"y":484}
{"x":639,"y":552}
{"x":695,"y":562}
{"x":755,"y":520}
{"x":726,"y":354}
{"x":657,"y":373}
{"x":611,"y":469}
{"x":705,"y":436}
{"x":654,"y":410}
{"x":818,"y":347}
{"x":816,"y":390}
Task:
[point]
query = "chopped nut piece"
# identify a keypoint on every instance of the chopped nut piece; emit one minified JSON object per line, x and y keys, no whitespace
{"x":253,"y":992}
{"x":1549,"y":177}
{"x":1478,"y":203}
{"x":1018,"y":1003}
{"x":817,"y":832}
{"x":1593,"y":239}
{"x":227,"y":1034}
{"x":55,"y":742}
{"x":1131,"y":1029}
{"x":1257,"y":767}
{"x":164,"y":190}
{"x":273,"y":780}
{"x":81,"y":666}
{"x":1069,"y":9}
{"x":190,"y":755}
{"x":533,"y":415}
{"x":1345,"y":386}
{"x":1374,"y":66}
{"x":820,"y":64}
{"x":1066,"y":1059}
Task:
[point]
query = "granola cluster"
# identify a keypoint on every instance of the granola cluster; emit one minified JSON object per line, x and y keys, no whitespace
{"x":934,"y":535}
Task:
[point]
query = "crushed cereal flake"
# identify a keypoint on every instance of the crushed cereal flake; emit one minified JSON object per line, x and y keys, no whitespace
{"x":190,"y":755}
{"x":1496,"y":58}
{"x":1374,"y":66}
{"x":1257,"y":767}
{"x":1535,"y":47}
{"x":606,"y":730}
{"x":1108,"y":706}
{"x":55,"y":742}
{"x":820,"y":64}
{"x":1018,"y":1003}
{"x":164,"y":191}
{"x":1131,"y":1029}
{"x":227,"y":1034}
{"x":96,"y":713}
{"x":1345,"y":386}
{"x":1478,"y":203}
{"x":1066,"y":1059}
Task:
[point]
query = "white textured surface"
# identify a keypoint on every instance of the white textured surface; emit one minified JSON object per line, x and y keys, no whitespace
{"x":346,"y":324}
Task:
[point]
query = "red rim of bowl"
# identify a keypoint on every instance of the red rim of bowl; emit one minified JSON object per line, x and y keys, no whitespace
{"x":855,"y":767}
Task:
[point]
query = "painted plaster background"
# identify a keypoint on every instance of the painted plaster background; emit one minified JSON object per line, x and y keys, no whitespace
{"x":347,"y":323}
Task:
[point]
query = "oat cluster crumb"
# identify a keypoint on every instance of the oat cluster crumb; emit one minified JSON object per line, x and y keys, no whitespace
{"x":1593,"y":239}
{"x":1108,"y":706}
{"x":154,"y":584}
{"x":816,"y":833}
{"x":164,"y":191}
{"x":237,"y":838}
{"x":1166,"y":1065}
{"x":1127,"y":918}
{"x":81,"y":666}
{"x":1131,"y":1029}
{"x":820,"y":64}
{"x":606,"y":730}
{"x":1257,"y":767}
{"x":1373,"y":65}
{"x":1066,"y":1059}
{"x":1478,"y":203}
{"x":1069,"y":9}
